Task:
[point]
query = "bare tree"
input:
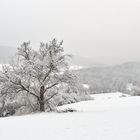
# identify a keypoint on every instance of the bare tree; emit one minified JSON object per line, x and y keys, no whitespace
{"x":37,"y":73}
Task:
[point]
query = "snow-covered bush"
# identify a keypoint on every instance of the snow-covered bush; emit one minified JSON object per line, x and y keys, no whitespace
{"x":67,"y":110}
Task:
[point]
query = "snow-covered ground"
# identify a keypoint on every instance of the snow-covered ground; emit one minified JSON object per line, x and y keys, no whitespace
{"x":114,"y":95}
{"x":76,"y":67}
{"x":111,"y":118}
{"x":102,"y":102}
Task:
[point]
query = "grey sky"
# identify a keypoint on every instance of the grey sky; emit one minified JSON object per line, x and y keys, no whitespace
{"x":106,"y":30}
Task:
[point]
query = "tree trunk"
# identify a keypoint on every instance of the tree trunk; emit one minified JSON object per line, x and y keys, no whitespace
{"x":41,"y":101}
{"x":42,"y":106}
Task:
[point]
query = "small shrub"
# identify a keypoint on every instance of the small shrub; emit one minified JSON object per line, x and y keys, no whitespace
{"x":67,"y":110}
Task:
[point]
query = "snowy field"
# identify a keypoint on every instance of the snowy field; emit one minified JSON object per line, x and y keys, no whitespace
{"x":108,"y":117}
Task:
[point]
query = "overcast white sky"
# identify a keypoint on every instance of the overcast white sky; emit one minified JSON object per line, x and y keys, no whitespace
{"x":107,"y":31}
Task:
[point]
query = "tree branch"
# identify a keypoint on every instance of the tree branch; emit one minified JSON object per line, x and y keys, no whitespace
{"x":47,"y":74}
{"x":51,"y":97}
{"x":24,"y":88}
{"x":29,"y":91}
{"x":51,"y":86}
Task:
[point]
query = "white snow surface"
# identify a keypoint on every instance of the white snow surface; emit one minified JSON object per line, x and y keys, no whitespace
{"x":76,"y":67}
{"x":86,"y":86}
{"x":112,"y":118}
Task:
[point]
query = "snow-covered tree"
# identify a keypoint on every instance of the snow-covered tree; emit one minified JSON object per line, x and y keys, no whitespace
{"x":38,"y":74}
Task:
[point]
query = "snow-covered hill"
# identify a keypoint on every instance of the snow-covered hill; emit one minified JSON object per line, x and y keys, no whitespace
{"x":112,"y":118}
{"x":103,"y":102}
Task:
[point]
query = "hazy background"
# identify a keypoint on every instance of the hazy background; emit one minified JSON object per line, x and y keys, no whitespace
{"x":108,"y":31}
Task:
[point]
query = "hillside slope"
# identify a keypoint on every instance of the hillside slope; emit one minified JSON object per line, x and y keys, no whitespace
{"x":110,"y":78}
{"x":118,"y":120}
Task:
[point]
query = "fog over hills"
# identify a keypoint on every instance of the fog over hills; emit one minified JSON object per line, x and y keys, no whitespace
{"x":84,"y":61}
{"x":6,"y":53}
{"x":100,"y":78}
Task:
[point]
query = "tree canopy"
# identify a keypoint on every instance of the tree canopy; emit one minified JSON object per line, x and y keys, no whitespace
{"x":37,"y":73}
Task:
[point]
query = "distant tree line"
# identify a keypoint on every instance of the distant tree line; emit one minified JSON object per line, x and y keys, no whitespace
{"x":111,"y":78}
